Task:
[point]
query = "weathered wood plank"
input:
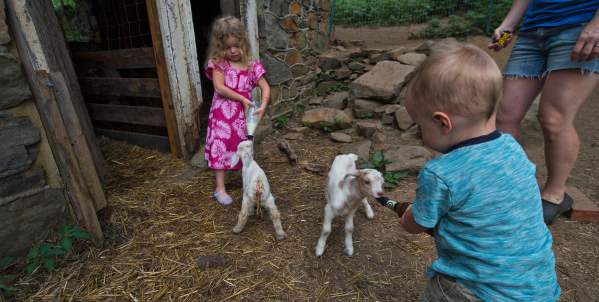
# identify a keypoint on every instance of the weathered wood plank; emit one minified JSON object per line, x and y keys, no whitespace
{"x":179,"y":73}
{"x":136,"y":87}
{"x":119,"y":59}
{"x":48,"y":51}
{"x":84,"y":157}
{"x":150,"y":141}
{"x":137,"y":115}
{"x":30,"y":21}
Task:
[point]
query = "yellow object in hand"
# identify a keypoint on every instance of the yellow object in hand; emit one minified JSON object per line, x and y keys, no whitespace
{"x":503,"y":39}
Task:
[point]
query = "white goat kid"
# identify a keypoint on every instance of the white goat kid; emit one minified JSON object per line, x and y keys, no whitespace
{"x":256,"y":190}
{"x":347,"y":188}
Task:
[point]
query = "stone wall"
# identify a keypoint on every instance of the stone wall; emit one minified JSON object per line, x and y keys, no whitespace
{"x":293,"y":33}
{"x":31,"y":195}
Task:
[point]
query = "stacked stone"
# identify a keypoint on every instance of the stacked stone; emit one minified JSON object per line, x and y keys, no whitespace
{"x":292,"y":34}
{"x":28,"y":206}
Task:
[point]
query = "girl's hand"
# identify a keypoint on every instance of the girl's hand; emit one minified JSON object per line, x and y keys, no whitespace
{"x":587,"y":46}
{"x":246,"y":103}
{"x":260,"y":111}
{"x":496,"y":35}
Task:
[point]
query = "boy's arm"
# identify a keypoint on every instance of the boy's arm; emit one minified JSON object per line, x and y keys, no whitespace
{"x":410,"y":225}
{"x":404,"y":211}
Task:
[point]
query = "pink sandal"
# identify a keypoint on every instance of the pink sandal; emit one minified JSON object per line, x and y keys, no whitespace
{"x":222,"y":198}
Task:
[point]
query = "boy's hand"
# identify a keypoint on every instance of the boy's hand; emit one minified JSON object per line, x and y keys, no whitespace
{"x":399,"y":207}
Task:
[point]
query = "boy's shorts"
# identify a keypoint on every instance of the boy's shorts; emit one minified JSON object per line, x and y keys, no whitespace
{"x":540,"y":51}
{"x":445,"y":288}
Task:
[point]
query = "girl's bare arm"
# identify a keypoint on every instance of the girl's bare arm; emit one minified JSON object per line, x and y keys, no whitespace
{"x":218,"y":80}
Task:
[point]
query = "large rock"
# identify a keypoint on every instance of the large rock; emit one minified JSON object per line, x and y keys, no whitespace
{"x":330,"y":117}
{"x":28,"y":219}
{"x":383,"y":82}
{"x":425,"y":47}
{"x":277,"y":71}
{"x":17,"y":131}
{"x":368,"y":128}
{"x":410,"y":158}
{"x":396,"y":53}
{"x":355,"y":66}
{"x":341,"y":137}
{"x":403,"y":119}
{"x":411,"y":58}
{"x":13,"y":84}
{"x":337,"y":100}
{"x":342,"y":73}
{"x":362,"y":149}
{"x":4,"y":36}
{"x":276,"y":37}
{"x":366,"y":108}
{"x":332,"y":60}
{"x":33,"y":178}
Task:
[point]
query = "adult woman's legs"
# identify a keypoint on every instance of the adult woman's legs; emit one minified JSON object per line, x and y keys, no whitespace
{"x":518,"y":95}
{"x":564,"y":93}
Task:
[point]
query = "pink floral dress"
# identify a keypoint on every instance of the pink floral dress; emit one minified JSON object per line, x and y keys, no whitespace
{"x":226,"y":121}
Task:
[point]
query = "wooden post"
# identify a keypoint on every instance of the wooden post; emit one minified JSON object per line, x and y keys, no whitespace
{"x":42,"y":50}
{"x":178,"y":71}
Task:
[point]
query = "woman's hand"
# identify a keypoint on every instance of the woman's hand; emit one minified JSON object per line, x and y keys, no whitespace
{"x":496,"y":35}
{"x":587,"y":46}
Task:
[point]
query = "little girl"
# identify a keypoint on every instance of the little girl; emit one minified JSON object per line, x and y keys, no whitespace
{"x":234,"y":77}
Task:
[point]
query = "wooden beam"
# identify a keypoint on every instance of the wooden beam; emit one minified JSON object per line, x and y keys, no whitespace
{"x":150,"y":141}
{"x":119,"y":59}
{"x":37,"y":36}
{"x":137,"y":115}
{"x":136,"y":87}
{"x":178,"y":71}
{"x":44,"y":37}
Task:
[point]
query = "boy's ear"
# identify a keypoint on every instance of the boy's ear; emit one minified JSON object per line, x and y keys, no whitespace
{"x":444,"y":121}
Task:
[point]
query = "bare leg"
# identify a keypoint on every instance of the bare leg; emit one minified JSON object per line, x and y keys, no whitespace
{"x":326,"y":230}
{"x":368,"y":209}
{"x":349,"y":230}
{"x":275,"y":216}
{"x":563,"y":95}
{"x":246,"y":204}
{"x":518,"y":95}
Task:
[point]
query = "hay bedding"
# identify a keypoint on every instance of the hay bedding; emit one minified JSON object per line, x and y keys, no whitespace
{"x":161,"y":219}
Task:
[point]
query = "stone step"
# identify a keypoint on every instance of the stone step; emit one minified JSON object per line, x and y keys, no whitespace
{"x":583,"y":209}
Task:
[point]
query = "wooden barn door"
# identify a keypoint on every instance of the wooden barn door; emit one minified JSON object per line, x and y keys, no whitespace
{"x":59,"y":101}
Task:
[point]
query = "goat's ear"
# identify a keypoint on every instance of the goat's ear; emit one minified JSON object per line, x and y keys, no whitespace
{"x":234,"y":160}
{"x":347,"y":177}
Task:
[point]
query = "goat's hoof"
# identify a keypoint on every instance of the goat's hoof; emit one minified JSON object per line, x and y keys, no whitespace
{"x":237,"y":230}
{"x":370,"y":215}
{"x":280,"y":236}
{"x":348,"y":251}
{"x":319,"y":251}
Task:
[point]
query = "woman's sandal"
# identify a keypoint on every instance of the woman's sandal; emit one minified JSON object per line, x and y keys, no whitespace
{"x":551,"y":210}
{"x":222,"y":198}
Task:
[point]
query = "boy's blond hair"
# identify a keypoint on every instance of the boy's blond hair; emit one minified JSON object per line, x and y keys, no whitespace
{"x":461,"y":79}
{"x":222,"y":28}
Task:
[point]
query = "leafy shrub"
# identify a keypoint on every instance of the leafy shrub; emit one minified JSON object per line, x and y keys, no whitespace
{"x":377,"y":161}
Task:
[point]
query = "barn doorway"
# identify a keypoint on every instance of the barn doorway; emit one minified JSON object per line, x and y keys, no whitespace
{"x":204,"y":13}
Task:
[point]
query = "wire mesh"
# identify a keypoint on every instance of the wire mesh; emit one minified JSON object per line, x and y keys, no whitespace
{"x":123,"y":23}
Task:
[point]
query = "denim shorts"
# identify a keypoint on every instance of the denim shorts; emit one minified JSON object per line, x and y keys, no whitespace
{"x":543,"y":50}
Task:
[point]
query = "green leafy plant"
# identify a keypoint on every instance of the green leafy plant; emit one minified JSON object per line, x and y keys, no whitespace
{"x":5,"y":289}
{"x":377,"y":161}
{"x":45,"y":254}
{"x":326,"y":127}
{"x":280,"y":121}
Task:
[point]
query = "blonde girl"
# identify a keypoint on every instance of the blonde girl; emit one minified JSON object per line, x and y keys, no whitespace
{"x":234,"y":75}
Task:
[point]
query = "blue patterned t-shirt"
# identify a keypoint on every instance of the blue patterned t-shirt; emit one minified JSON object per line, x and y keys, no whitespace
{"x":483,"y":200}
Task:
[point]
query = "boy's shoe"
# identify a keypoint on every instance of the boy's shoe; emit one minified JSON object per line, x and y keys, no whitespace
{"x":222,"y":198}
{"x":551,"y":210}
